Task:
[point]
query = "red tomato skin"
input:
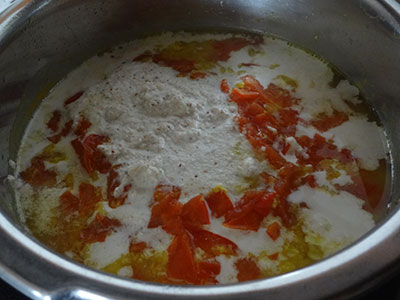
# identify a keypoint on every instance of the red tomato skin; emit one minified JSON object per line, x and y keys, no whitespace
{"x":207,"y":241}
{"x":219,"y":203}
{"x":54,"y":121}
{"x":224,"y":86}
{"x":195,"y":212}
{"x":274,"y":231}
{"x":98,"y":229}
{"x":181,"y":265}
{"x":247,"y":270}
{"x":73,"y":98}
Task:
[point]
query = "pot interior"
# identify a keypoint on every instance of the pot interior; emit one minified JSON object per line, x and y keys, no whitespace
{"x":44,"y":40}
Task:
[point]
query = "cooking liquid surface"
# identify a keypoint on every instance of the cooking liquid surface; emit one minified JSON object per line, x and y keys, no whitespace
{"x":201,"y":159}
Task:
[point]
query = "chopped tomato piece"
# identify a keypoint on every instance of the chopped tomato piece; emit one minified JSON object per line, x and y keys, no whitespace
{"x":99,"y":161}
{"x":67,"y":128}
{"x":245,"y":220}
{"x":82,"y":127}
{"x":325,"y":122}
{"x":240,"y":95}
{"x":73,"y":98}
{"x":166,"y":213}
{"x":64,"y":132}
{"x":137,"y":247}
{"x":283,"y":209}
{"x":263,"y":204}
{"x":162,"y":191}
{"x":69,"y":203}
{"x":210,"y":267}
{"x":252,"y":84}
{"x":224,"y":86}
{"x":183,"y":66}
{"x":94,"y":140}
{"x":219,"y":202}
{"x":196,"y":75}
{"x":91,"y":158}
{"x":251,"y":210}
{"x":207,"y":271}
{"x":174,"y":226}
{"x":263,"y":118}
{"x":80,"y":151}
{"x":112,"y":184}
{"x":195,"y":212}
{"x":288,"y":119}
{"x":274,"y":256}
{"x":310,"y":180}
{"x":273,"y":157}
{"x":274,"y":231}
{"x":288,"y":180}
{"x":252,"y":199}
{"x":254,"y":109}
{"x":278,"y":97}
{"x":181,"y":265}
{"x":318,"y":149}
{"x":89,"y":196}
{"x":37,"y":174}
{"x":83,"y":154}
{"x":223,"y":48}
{"x":52,"y":124}
{"x":247,"y":270}
{"x":98,"y":229}
{"x":213,"y":244}
{"x":94,"y":158}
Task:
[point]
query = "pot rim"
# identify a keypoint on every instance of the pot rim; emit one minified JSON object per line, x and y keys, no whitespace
{"x":80,"y":282}
{"x":383,"y":242}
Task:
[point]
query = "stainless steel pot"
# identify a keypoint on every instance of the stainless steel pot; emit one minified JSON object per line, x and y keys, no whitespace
{"x":41,"y":40}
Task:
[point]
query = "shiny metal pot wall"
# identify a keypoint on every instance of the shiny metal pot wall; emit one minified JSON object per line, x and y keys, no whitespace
{"x":41,"y":40}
